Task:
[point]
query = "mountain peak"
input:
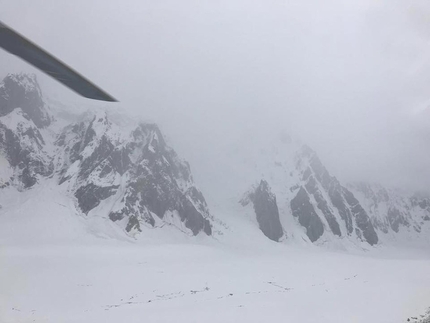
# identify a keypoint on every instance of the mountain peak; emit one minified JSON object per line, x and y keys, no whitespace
{"x":23,"y":91}
{"x":27,"y":81}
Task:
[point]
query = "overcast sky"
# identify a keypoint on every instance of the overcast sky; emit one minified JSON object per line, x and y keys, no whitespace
{"x":351,"y":78}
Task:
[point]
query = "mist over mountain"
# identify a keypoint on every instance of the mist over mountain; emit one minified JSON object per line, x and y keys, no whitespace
{"x":114,"y":168}
{"x":351,"y":79}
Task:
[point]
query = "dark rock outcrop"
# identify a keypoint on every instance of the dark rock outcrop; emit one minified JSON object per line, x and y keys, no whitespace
{"x":331,"y":198}
{"x":395,"y":219}
{"x":312,"y":188}
{"x":22,"y":116}
{"x":303,"y":209}
{"x":362,"y":220}
{"x":90,"y":196}
{"x":23,"y":91}
{"x":266,"y":210}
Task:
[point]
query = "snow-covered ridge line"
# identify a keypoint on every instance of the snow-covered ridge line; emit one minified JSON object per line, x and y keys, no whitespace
{"x":114,"y":167}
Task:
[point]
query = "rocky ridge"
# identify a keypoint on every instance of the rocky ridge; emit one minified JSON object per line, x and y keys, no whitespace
{"x":325,"y":209}
{"x":266,"y":210}
{"x":123,"y":170}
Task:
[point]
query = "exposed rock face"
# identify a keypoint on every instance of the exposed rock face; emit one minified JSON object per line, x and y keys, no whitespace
{"x":23,"y":115}
{"x":305,"y":212}
{"x":90,"y":195}
{"x":334,"y":203}
{"x":22,"y":91}
{"x":266,"y":210}
{"x":390,"y":209}
{"x":118,"y":169}
{"x":322,"y":204}
{"x":362,"y":220}
{"x":141,"y":176}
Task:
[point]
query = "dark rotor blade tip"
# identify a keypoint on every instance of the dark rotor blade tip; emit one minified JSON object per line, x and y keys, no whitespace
{"x":18,"y":45}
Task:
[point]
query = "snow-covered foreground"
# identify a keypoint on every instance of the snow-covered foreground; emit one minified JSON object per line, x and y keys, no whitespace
{"x":209,"y":282}
{"x":57,"y":266}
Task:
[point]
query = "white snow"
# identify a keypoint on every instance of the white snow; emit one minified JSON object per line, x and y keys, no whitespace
{"x":16,"y":121}
{"x":185,"y":282}
{"x":57,"y":266}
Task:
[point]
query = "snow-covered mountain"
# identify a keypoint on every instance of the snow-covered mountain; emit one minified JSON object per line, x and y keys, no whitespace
{"x":312,"y":201}
{"x":23,"y":118}
{"x":282,"y":180}
{"x":312,"y":204}
{"x":113,"y":167}
{"x":392,"y":211}
{"x":339,"y":211}
{"x":108,"y":165}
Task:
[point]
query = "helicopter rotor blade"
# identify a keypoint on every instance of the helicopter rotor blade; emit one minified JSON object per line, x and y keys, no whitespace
{"x":18,"y":45}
